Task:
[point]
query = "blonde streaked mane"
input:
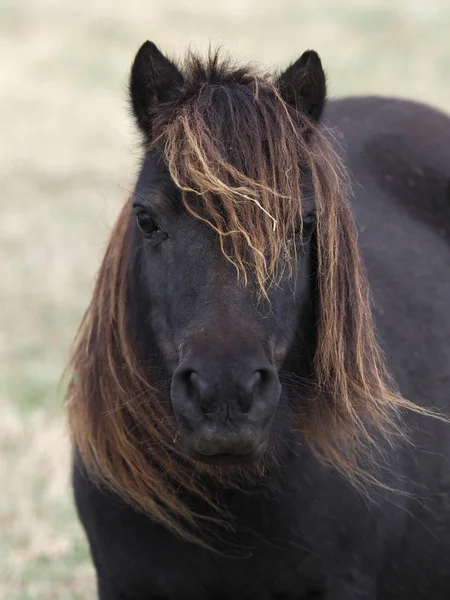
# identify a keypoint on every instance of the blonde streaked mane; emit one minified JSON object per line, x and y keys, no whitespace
{"x":240,"y":143}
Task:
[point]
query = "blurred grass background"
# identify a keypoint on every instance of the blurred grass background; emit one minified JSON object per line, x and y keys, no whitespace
{"x":68,"y":156}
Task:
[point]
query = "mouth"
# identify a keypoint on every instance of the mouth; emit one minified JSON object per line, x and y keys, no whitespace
{"x":228,"y":458}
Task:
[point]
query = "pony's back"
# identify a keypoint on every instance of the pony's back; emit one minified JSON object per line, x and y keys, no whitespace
{"x":398,"y":154}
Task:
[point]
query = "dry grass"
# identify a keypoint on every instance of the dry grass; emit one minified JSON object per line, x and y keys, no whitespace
{"x":67,"y":157}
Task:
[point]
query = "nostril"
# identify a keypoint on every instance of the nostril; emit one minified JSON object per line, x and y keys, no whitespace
{"x":250,"y":390}
{"x":183,"y":378}
{"x":266,"y":376}
{"x":252,"y":384}
{"x":201,"y":387}
{"x":257,"y":385}
{"x":196,"y":388}
{"x":265,"y":381}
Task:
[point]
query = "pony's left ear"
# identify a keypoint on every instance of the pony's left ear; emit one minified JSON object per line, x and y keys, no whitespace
{"x":154,"y":79}
{"x":303,"y":85}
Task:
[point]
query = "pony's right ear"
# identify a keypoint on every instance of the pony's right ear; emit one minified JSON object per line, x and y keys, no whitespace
{"x":154,"y":79}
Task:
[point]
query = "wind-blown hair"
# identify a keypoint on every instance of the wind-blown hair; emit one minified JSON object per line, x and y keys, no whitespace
{"x":239,"y":154}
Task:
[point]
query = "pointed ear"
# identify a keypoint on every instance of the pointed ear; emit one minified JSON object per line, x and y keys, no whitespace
{"x":303,"y":85}
{"x":154,"y":79}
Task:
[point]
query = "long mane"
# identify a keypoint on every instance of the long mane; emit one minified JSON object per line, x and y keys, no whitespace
{"x":231,"y":136}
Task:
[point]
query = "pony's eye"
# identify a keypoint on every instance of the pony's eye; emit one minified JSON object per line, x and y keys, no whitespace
{"x":146,"y":223}
{"x":305,"y":228}
{"x":308,"y":220}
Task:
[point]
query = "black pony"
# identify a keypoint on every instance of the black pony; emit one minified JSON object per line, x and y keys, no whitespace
{"x":236,"y":432}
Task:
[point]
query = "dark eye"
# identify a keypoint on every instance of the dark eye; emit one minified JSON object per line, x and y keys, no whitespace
{"x":309,"y":220}
{"x":304,"y":231}
{"x":146,"y":223}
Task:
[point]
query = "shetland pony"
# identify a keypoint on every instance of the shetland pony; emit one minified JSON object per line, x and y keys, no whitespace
{"x":247,"y":421}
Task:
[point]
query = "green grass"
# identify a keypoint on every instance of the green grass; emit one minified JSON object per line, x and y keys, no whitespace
{"x":68,"y":157}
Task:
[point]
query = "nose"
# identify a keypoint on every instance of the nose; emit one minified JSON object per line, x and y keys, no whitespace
{"x":224,"y":410}
{"x":235,"y":391}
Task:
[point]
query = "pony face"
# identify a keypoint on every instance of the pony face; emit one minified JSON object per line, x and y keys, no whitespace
{"x":222,"y":341}
{"x":223,"y":230}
